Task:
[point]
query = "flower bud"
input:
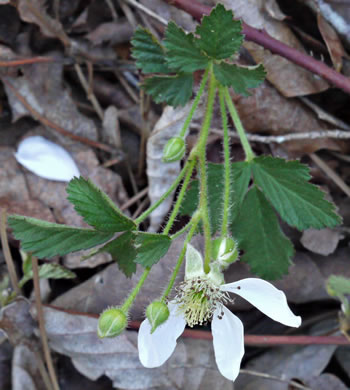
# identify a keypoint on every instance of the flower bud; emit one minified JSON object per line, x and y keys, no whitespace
{"x":111,"y":323}
{"x":157,"y":313}
{"x":225,"y":251}
{"x":174,"y":149}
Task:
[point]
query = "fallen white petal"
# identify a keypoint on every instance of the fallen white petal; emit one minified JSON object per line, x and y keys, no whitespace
{"x":156,"y":348}
{"x":265,"y":297}
{"x":228,"y":340}
{"x":46,"y":159}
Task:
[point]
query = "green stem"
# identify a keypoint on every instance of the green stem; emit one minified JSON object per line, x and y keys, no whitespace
{"x":195,"y":103}
{"x":145,"y":214}
{"x":182,"y":230}
{"x":190,"y":164}
{"x":194,"y":222}
{"x":227,"y":164}
{"x":249,"y":154}
{"x":130,"y":299}
{"x":200,"y":151}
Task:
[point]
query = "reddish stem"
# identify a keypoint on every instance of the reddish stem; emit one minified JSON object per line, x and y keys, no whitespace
{"x":197,"y":10}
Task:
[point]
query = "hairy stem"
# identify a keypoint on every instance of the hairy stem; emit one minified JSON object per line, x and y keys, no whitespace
{"x":249,"y":154}
{"x":194,"y":222}
{"x":227,"y":164}
{"x":130,"y":299}
{"x":190,"y":164}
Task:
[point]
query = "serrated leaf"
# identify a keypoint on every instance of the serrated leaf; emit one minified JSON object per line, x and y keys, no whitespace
{"x":238,"y":77}
{"x":182,"y":53}
{"x":148,"y":52}
{"x":97,"y":209}
{"x":151,"y":247}
{"x":338,"y":285}
{"x":220,"y":35}
{"x":46,"y":239}
{"x":174,"y":90}
{"x":300,"y":203}
{"x":240,"y":173}
{"x":49,"y":271}
{"x":266,"y":249}
{"x":123,"y":252}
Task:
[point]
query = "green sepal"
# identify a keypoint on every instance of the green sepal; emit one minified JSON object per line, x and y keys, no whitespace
{"x":97,"y":209}
{"x":112,"y":322}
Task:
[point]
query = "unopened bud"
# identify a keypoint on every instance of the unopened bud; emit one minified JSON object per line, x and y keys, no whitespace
{"x":174,"y":149}
{"x":111,"y":323}
{"x":157,"y":313}
{"x":225,"y":251}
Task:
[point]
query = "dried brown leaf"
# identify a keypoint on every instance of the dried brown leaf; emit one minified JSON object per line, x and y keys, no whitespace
{"x":323,"y":242}
{"x":289,"y":79}
{"x":325,"y":382}
{"x":333,"y":42}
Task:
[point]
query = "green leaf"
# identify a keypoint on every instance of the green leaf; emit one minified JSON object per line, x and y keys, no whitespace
{"x":182,"y":53}
{"x":148,"y":52}
{"x":151,"y":247}
{"x":123,"y":252}
{"x":46,"y":239}
{"x":97,"y":209}
{"x":175,"y":90}
{"x":238,"y":77}
{"x":49,"y":271}
{"x":338,"y":286}
{"x":266,"y":249}
{"x":220,"y":35}
{"x":240,"y":173}
{"x":299,"y":203}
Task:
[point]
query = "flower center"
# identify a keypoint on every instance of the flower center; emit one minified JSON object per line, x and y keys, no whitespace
{"x":198,"y":298}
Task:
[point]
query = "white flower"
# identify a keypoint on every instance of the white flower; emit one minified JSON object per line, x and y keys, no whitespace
{"x":201,"y":297}
{"x":46,"y":159}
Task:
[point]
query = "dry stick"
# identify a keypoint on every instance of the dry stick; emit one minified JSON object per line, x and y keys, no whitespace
{"x":197,"y":10}
{"x":141,"y":207}
{"x":274,"y":378}
{"x":331,"y":173}
{"x":7,"y":253}
{"x":134,"y":199}
{"x":41,"y":321}
{"x":48,"y":123}
{"x":27,"y":61}
{"x":90,"y":95}
{"x":112,"y":9}
{"x":42,"y":370}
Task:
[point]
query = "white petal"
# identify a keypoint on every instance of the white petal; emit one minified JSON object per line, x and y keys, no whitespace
{"x":156,"y":348}
{"x":265,"y":297}
{"x":194,"y":263}
{"x":228,"y":342}
{"x":46,"y":159}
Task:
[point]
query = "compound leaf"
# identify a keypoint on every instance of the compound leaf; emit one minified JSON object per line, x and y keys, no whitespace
{"x":266,"y":249}
{"x":300,"y":203}
{"x":151,"y":247}
{"x":182,"y":53}
{"x":45,"y":239}
{"x":175,"y":90}
{"x":97,"y":209}
{"x":238,"y":77}
{"x":220,"y":35}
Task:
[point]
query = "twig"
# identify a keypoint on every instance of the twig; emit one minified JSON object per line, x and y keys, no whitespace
{"x":274,"y":378}
{"x":197,"y":10}
{"x":331,"y":173}
{"x":279,"y":139}
{"x":7,"y":254}
{"x":112,"y":9}
{"x":41,"y":321}
{"x":90,"y":95}
{"x":48,"y":123}
{"x":140,"y":208}
{"x":42,"y":370}
{"x":147,"y":11}
{"x":27,"y":61}
{"x":134,"y":199}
